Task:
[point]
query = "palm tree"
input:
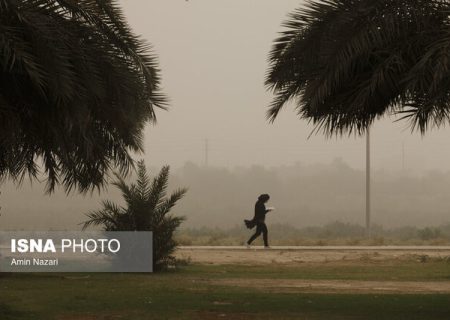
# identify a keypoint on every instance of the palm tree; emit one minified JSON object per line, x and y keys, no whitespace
{"x":76,"y":89}
{"x":348,"y":62}
{"x":147,"y":209}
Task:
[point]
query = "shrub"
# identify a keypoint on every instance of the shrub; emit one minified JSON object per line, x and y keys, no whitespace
{"x":429,"y":233}
{"x":147,"y":209}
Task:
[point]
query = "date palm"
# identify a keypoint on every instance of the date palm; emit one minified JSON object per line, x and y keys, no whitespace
{"x":76,"y":89}
{"x":147,"y":208}
{"x":347,"y":62}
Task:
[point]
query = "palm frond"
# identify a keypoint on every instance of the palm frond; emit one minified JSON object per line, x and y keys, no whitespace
{"x":128,"y":191}
{"x":158,"y":188}
{"x":81,"y":86}
{"x":108,"y":216}
{"x":347,"y":63}
{"x":166,"y":205}
{"x":143,"y":181}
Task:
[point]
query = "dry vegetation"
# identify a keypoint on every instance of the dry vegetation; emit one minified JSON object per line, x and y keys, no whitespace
{"x":336,"y":233}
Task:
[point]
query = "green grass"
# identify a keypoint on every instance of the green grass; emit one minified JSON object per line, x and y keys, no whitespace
{"x":184,"y":294}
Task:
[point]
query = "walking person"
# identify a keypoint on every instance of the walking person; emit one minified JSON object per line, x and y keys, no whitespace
{"x":259,"y":220}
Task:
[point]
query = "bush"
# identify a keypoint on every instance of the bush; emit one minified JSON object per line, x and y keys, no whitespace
{"x":147,"y":209}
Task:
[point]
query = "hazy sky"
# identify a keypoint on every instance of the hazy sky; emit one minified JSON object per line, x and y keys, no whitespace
{"x":213,"y":56}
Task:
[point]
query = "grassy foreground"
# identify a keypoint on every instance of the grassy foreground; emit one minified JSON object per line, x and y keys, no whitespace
{"x":191,"y":293}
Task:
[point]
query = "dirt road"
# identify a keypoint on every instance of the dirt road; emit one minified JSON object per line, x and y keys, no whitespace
{"x":338,"y":256}
{"x":293,"y":255}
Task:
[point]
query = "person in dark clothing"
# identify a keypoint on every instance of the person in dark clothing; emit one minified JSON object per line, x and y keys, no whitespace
{"x":259,"y":220}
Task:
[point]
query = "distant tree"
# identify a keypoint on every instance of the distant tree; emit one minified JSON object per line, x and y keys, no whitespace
{"x":147,"y":209}
{"x":347,"y":62}
{"x":76,"y":89}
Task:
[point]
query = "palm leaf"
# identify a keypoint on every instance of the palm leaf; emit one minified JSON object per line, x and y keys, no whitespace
{"x":346,"y":63}
{"x":81,"y":86}
{"x":108,"y":216}
{"x":158,"y":188}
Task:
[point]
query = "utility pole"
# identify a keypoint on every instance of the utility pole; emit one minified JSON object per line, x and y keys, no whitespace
{"x":206,"y":152}
{"x":403,"y":155}
{"x":368,"y":182}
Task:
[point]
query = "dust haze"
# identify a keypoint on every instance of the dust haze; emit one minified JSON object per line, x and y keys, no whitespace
{"x":218,"y":197}
{"x":213,"y":58}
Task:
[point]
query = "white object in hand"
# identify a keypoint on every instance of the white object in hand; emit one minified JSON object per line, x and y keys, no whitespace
{"x":271,"y":208}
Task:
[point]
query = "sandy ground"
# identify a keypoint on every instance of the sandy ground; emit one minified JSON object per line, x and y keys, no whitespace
{"x":294,"y":255}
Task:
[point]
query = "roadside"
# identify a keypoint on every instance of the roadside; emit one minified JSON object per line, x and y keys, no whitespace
{"x":296,"y":255}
